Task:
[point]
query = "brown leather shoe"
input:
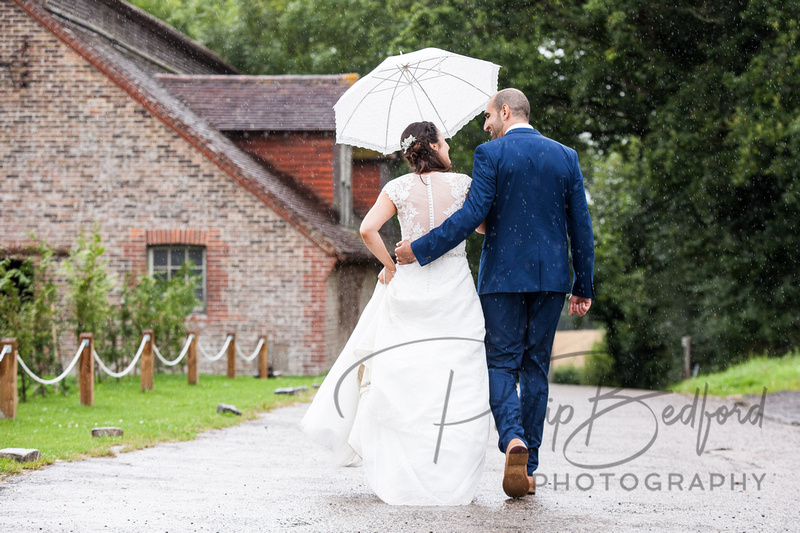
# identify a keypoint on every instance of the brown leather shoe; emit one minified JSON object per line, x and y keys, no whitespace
{"x":532,"y":489}
{"x":515,"y":477}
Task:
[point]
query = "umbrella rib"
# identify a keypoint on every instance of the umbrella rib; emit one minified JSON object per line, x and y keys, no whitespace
{"x":413,"y":92}
{"x":459,"y":79}
{"x":437,"y":66}
{"x":416,"y":100}
{"x":421,"y":88}
{"x":393,"y":68}
{"x":389,"y":111}
{"x":370,"y":92}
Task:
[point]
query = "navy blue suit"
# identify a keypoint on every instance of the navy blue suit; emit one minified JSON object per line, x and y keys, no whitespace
{"x":529,"y":189}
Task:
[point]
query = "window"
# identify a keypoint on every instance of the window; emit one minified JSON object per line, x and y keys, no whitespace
{"x":165,"y":261}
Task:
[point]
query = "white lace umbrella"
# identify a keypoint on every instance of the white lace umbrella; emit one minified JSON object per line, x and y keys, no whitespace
{"x":430,"y":84}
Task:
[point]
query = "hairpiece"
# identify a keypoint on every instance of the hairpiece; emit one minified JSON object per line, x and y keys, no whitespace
{"x":407,"y":142}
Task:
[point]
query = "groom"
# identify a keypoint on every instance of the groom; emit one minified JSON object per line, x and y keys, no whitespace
{"x":529,"y":189}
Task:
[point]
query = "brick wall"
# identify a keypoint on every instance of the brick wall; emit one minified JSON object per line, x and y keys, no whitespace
{"x":76,"y":150}
{"x":308,"y":157}
{"x":366,"y":185}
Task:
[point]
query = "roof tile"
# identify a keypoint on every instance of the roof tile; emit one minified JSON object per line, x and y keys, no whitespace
{"x":262,"y":103}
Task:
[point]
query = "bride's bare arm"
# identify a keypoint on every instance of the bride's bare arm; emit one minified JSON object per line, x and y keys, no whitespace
{"x":382,"y":211}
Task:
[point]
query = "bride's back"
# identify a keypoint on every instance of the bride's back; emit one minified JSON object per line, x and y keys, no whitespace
{"x":425,"y":201}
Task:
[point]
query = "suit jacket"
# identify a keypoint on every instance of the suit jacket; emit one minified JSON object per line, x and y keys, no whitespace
{"x":529,"y":189}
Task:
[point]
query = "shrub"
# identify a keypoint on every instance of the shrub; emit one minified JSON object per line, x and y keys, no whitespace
{"x":599,"y":368}
{"x":567,"y":375}
{"x":27,"y":311}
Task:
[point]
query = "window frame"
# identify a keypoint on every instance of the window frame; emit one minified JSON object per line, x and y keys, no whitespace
{"x":203,"y":307}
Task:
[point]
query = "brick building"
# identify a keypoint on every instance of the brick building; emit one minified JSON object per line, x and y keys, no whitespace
{"x":109,"y":116}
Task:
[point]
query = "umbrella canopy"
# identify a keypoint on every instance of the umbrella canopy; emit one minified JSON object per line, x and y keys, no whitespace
{"x":430,"y":84}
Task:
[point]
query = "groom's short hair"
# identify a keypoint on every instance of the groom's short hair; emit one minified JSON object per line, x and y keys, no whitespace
{"x":516,"y":102}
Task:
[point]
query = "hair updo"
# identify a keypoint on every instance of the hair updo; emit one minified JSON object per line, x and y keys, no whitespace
{"x":415,"y":144}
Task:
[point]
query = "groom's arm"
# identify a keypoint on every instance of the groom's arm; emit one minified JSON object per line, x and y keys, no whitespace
{"x":579,"y":228}
{"x":463,"y":222}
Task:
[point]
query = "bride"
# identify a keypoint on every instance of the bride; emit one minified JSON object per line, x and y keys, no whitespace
{"x":408,"y":397}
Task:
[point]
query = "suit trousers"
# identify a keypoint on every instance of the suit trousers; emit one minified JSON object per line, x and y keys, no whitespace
{"x":520,"y":328}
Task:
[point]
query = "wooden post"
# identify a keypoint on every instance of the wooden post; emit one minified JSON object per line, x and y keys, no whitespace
{"x":147,"y":361}
{"x":232,"y":356}
{"x":8,"y":379}
{"x":192,"y":359}
{"x":262,"y":359}
{"x":86,"y":365}
{"x":686,"y":342}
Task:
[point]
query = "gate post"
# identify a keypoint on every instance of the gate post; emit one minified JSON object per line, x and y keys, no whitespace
{"x":8,"y":378}
{"x":86,"y":365}
{"x":192,"y":359}
{"x":232,"y":356}
{"x":147,"y":361}
{"x":262,"y":359}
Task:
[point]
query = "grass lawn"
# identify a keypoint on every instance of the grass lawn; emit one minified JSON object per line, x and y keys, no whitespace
{"x":774,"y":373}
{"x":60,"y":428}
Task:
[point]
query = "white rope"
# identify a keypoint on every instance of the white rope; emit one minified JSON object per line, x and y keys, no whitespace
{"x":63,"y":374}
{"x":6,"y":349}
{"x":203,"y":351}
{"x":255,"y":353}
{"x":113,"y":374}
{"x":221,"y":352}
{"x":181,"y":356}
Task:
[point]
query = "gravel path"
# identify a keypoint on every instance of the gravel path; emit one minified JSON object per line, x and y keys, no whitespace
{"x":264,"y":476}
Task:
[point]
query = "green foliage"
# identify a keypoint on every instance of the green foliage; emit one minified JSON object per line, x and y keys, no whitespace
{"x":157,"y":304}
{"x":60,"y":427}
{"x":598,"y":369}
{"x":88,"y":286}
{"x":698,"y":225}
{"x":750,"y":377}
{"x":567,"y":375}
{"x":27,"y":310}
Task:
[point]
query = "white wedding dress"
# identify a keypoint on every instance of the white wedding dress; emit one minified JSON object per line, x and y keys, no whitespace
{"x":408,"y":398}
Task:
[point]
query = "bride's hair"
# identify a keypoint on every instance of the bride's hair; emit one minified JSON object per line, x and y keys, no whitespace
{"x":415,"y":143}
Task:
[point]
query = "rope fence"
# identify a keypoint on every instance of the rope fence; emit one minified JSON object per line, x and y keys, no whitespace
{"x":53,"y":381}
{"x":221,"y":353}
{"x":131,"y":366}
{"x":184,"y":351}
{"x":86,"y":357}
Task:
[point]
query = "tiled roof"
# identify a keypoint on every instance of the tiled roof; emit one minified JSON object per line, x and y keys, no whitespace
{"x":304,"y":214}
{"x":152,"y":44}
{"x":262,"y":103}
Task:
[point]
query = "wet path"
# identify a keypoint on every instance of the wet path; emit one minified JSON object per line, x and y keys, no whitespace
{"x":264,"y":476}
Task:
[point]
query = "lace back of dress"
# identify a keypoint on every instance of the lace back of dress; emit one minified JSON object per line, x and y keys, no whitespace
{"x":424,"y":202}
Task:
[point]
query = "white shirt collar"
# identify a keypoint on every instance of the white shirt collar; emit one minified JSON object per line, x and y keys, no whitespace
{"x":519,"y":125}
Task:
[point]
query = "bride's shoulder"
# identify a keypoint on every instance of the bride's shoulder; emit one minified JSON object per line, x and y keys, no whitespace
{"x":457,"y":177}
{"x":399,"y":181}
{"x":398,"y":186}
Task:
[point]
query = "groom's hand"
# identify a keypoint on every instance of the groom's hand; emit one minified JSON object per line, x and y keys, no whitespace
{"x":579,"y":306}
{"x":404,"y":253}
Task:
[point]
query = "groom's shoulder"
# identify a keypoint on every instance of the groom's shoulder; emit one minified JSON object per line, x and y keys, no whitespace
{"x":551,"y":145}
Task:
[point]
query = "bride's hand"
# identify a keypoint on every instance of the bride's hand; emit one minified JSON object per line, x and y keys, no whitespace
{"x":386,"y":275}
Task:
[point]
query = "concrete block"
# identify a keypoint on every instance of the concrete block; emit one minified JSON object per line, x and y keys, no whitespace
{"x":21,"y":455}
{"x":106,"y":432}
